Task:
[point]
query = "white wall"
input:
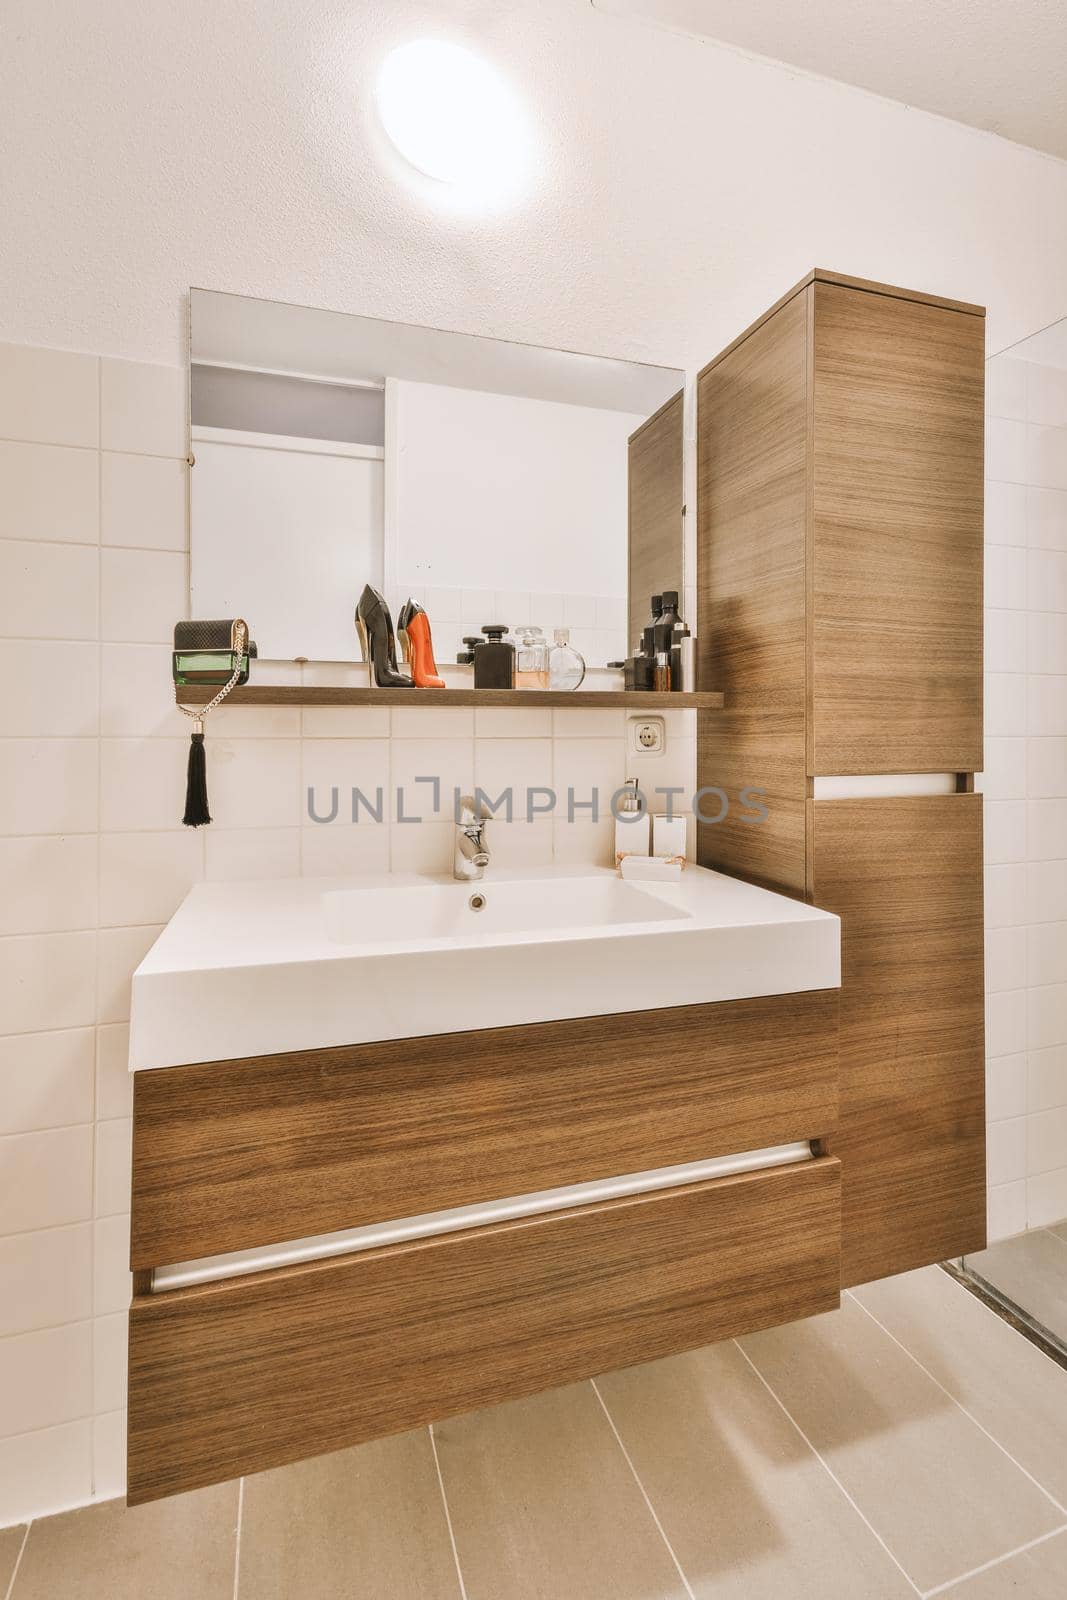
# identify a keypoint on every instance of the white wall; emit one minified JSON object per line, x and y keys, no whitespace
{"x":1026,"y":794}
{"x":682,"y":188}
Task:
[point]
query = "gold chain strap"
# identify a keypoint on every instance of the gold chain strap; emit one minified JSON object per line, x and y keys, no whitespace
{"x":238,"y":645}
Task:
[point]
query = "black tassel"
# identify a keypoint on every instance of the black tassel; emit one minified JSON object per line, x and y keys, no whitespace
{"x":196,"y":811}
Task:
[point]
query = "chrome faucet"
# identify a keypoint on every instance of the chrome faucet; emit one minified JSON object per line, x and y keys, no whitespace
{"x":471,"y":855}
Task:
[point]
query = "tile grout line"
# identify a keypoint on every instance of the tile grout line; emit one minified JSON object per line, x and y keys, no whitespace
{"x":96,"y":932}
{"x":831,"y":1474}
{"x":1051,"y":1498}
{"x":644,"y":1492}
{"x":448,"y":1514}
{"x":997,"y":1561}
{"x":991,"y":1309}
{"x":237,"y":1536}
{"x":18,"y":1561}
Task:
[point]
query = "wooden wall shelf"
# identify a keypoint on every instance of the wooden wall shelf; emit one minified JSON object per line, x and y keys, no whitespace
{"x":588,"y":699}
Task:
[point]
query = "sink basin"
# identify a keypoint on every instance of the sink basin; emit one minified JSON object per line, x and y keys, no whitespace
{"x":248,"y":969}
{"x":465,"y":912}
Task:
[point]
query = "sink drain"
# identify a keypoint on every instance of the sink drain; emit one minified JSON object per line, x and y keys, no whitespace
{"x":477,"y":902}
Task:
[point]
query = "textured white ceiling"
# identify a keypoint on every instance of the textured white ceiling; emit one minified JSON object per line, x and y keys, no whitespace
{"x":1000,"y":65}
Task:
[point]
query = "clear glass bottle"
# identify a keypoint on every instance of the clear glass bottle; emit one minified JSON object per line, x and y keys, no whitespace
{"x":566,"y":668}
{"x":531,"y":662}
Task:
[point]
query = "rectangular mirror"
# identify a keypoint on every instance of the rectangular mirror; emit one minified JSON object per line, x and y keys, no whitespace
{"x":494,"y":482}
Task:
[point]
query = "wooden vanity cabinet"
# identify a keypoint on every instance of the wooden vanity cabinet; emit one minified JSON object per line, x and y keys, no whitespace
{"x":248,"y":1372}
{"x":839,"y":534}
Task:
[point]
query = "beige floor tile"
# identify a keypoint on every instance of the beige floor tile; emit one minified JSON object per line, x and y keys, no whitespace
{"x":362,"y":1524}
{"x":1059,"y":1229}
{"x":941,"y":1494}
{"x":10,"y":1545}
{"x":750,"y":1511}
{"x":544,"y":1506}
{"x":1030,"y":1270}
{"x":170,"y":1550}
{"x":1037,"y":1574}
{"x":1004,"y":1381}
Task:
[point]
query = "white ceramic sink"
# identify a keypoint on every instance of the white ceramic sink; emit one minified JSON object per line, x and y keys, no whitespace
{"x":249,"y":969}
{"x":431,"y":913}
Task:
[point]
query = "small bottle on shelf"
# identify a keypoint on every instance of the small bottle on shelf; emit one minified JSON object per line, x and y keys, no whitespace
{"x":531,"y":664}
{"x":566,"y":668}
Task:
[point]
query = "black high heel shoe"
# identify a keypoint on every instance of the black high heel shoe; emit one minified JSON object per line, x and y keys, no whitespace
{"x":375,"y":627}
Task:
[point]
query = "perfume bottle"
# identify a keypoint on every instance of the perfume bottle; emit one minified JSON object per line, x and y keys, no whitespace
{"x":494,"y":660}
{"x":566,"y":668}
{"x":531,"y":662}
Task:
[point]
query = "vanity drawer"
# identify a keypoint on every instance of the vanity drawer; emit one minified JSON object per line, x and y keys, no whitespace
{"x":233,"y":1155}
{"x":236,"y":1376}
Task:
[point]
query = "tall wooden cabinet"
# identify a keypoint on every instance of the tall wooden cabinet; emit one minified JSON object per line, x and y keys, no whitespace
{"x":840,"y":492}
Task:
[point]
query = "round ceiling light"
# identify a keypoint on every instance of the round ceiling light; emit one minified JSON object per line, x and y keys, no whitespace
{"x":451,"y":116}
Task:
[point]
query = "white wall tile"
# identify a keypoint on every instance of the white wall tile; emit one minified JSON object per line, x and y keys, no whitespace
{"x":143,"y":502}
{"x":1046,"y":768}
{"x":46,"y":1471}
{"x":1006,"y":1151}
{"x":1046,"y":519}
{"x":1046,"y":580}
{"x":114,"y":1081}
{"x":1006,"y":1087}
{"x":1005,"y":959}
{"x":450,"y":761}
{"x":515,"y":765}
{"x":46,"y":1179}
{"x":45,"y":1278}
{"x":1046,"y":829}
{"x":112,"y":1279}
{"x":1005,"y":704}
{"x":237,"y":854}
{"x":520,"y":844}
{"x":49,"y":883}
{"x":1005,"y":769}
{"x":1047,"y":1078}
{"x":110,"y":1337}
{"x":1005,"y":513}
{"x":1005,"y":896}
{"x":1046,"y":1140}
{"x":1005,"y":828}
{"x":46,"y":1079}
{"x":1046,"y":1198}
{"x":345,"y":722}
{"x":253,"y":783}
{"x":1006,"y":387}
{"x":46,"y":981}
{"x":1046,"y":394}
{"x":144,"y":877}
{"x":254,"y":722}
{"x":1006,"y":1014}
{"x":48,"y":591}
{"x":589,"y":767}
{"x":516,"y":723}
{"x":1046,"y":457}
{"x":344,"y":766}
{"x":121,"y":951}
{"x":1005,"y":577}
{"x":583,"y":722}
{"x":1046,"y":705}
{"x":58,"y":689}
{"x":112,"y":1165}
{"x":331,"y":852}
{"x":1047,"y":952}
{"x":46,"y":1377}
{"x":424,"y":848}
{"x":109,"y":1455}
{"x":49,"y":492}
{"x":143,"y":593}
{"x":142,"y":783}
{"x":1046,"y":641}
{"x":48,"y":786}
{"x":1046,"y":1015}
{"x":583,"y":842}
{"x":143,"y":408}
{"x":1046,"y":891}
{"x":1005,"y":450}
{"x":49,"y":396}
{"x":1005,"y":642}
{"x":1006,"y":1210}
{"x":137,"y":694}
{"x":446,"y":722}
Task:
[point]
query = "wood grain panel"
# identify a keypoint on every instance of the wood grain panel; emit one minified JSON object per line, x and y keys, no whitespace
{"x":656,"y":492}
{"x":898,"y":506}
{"x":230,"y":1155}
{"x":234,"y":1377}
{"x":294,"y":694}
{"x":753,"y":431}
{"x":905,"y":876}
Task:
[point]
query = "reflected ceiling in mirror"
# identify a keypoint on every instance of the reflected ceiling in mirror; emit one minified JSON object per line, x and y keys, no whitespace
{"x":489,"y":480}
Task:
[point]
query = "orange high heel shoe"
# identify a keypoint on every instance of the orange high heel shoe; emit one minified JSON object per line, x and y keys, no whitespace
{"x":413,"y":627}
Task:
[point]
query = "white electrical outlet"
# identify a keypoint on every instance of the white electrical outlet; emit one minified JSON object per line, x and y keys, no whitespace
{"x":648,"y":736}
